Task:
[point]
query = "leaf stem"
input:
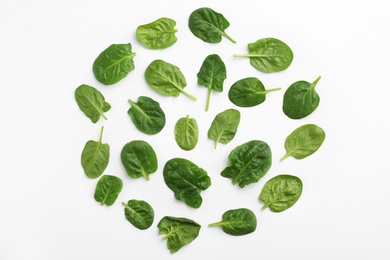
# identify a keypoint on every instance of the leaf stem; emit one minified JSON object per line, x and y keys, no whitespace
{"x":285,"y":156}
{"x":188,"y":94}
{"x":272,"y":89}
{"x":216,"y":224}
{"x":313,"y":85}
{"x":101,"y":134}
{"x":230,"y":38}
{"x":208,"y":98}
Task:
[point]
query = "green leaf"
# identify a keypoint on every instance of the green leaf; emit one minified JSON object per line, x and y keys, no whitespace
{"x":186,"y":133}
{"x":108,"y":189}
{"x":139,"y":159}
{"x":208,"y":25}
{"x":224,"y":126}
{"x":237,"y":222}
{"x":147,"y":115}
{"x":91,"y":102}
{"x":186,"y":180}
{"x":269,"y":55}
{"x":114,"y":63}
{"x":166,"y":79}
{"x":212,"y":74}
{"x":281,"y":192}
{"x":304,"y":141}
{"x":139,"y":213}
{"x":178,"y":231}
{"x":159,"y":34}
{"x":248,"y":92}
{"x":95,"y":157}
{"x":301,"y":99}
{"x":248,"y":163}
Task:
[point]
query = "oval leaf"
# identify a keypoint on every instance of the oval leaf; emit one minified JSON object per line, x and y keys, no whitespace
{"x":159,"y":34}
{"x":186,"y":133}
{"x":139,"y":213}
{"x":224,"y":126}
{"x":237,"y":222}
{"x":108,"y":189}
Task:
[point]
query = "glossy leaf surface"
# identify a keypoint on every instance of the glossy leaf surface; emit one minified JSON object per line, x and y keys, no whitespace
{"x":139,"y":213}
{"x":159,"y":34}
{"x":237,"y":222}
{"x":224,"y":126}
{"x":108,"y":189}
{"x":186,"y":133}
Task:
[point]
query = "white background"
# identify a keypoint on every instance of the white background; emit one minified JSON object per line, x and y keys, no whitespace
{"x":47,"y":209}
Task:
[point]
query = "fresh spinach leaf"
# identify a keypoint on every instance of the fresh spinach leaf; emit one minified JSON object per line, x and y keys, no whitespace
{"x":147,"y":115}
{"x":108,"y":189}
{"x":237,"y":222}
{"x":224,"y":126}
{"x":281,"y":192}
{"x":159,"y":34}
{"x":269,"y":55}
{"x":208,"y":25}
{"x":248,"y":92}
{"x":166,"y":79}
{"x":178,"y":231}
{"x":139,"y":213}
{"x":139,"y":159}
{"x":91,"y":102}
{"x":114,"y":63}
{"x":186,"y":133}
{"x":95,"y":157}
{"x":212,"y":74}
{"x":248,"y":163}
{"x":186,"y":180}
{"x":304,"y":141}
{"x":301,"y":99}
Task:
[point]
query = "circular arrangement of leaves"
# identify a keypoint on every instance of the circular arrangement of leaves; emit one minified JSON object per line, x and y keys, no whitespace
{"x":247,"y":163}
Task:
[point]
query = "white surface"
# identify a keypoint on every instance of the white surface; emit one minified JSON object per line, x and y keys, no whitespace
{"x":47,"y":209}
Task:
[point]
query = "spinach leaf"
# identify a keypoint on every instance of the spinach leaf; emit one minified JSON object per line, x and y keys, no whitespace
{"x":159,"y":34}
{"x":281,"y":192}
{"x":166,"y":79}
{"x":178,"y":231}
{"x":114,"y":63}
{"x":186,"y":180}
{"x":147,"y":115}
{"x":269,"y":55}
{"x":248,"y":92}
{"x":208,"y":25}
{"x":304,"y":141}
{"x":248,"y":163}
{"x":237,"y":222}
{"x":212,"y":74}
{"x":139,"y":213}
{"x":186,"y":133}
{"x":95,"y":157}
{"x":108,"y":189}
{"x":301,"y":99}
{"x":139,"y":159}
{"x":224,"y":126}
{"x":91,"y":102}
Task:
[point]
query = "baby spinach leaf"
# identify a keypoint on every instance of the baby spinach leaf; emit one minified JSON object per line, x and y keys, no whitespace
{"x":304,"y":141}
{"x":237,"y":222}
{"x":95,"y":157}
{"x":108,"y":189}
{"x":208,"y":25}
{"x":139,"y":159}
{"x":212,"y":74}
{"x":224,"y":126}
{"x":301,"y":99}
{"x":159,"y":34}
{"x":114,"y":63}
{"x":178,"y":231}
{"x":269,"y":55}
{"x":91,"y":102}
{"x":139,"y":213}
{"x":248,"y":163}
{"x":186,"y":180}
{"x":147,"y":115}
{"x":248,"y":92}
{"x":281,"y":192}
{"x":166,"y":79}
{"x":186,"y":133}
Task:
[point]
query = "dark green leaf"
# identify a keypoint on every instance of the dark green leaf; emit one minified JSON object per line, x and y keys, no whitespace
{"x":114,"y":63}
{"x":91,"y":102}
{"x":186,"y":133}
{"x":281,"y":192}
{"x":159,"y":34}
{"x":186,"y":180}
{"x":139,"y":213}
{"x":248,"y":163}
{"x":178,"y":231}
{"x":224,"y":126}
{"x":108,"y":189}
{"x":237,"y":222}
